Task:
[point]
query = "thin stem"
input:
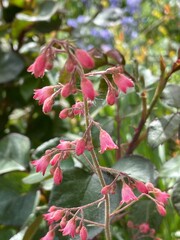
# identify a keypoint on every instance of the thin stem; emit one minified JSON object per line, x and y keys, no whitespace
{"x":118,"y":121}
{"x":146,"y":112}
{"x":99,"y":173}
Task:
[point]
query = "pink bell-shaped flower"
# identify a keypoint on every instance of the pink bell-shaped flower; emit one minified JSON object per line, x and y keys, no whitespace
{"x":41,"y":164}
{"x":88,"y":89}
{"x":83,"y":233}
{"x":43,"y":93}
{"x":49,"y":236}
{"x":84,"y":58}
{"x":141,"y":187}
{"x":39,"y":66}
{"x":161,"y":210}
{"x":122,"y":82}
{"x":70,"y":228}
{"x":127,"y":194}
{"x":80,"y":146}
{"x":57,"y":175}
{"x":106,"y":142}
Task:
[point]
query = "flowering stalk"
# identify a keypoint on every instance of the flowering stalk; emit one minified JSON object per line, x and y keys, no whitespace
{"x":71,"y":221}
{"x":100,"y":175}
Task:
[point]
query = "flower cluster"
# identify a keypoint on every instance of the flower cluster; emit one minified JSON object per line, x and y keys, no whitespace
{"x":127,"y":194}
{"x":62,"y":220}
{"x":142,"y":230}
{"x":79,"y":67}
{"x":64,"y":149}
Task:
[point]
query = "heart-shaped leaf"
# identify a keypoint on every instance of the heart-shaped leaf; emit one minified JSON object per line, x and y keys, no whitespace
{"x":163,"y":129}
{"x":176,"y":196}
{"x":14,"y":153}
{"x":11,"y":64}
{"x":80,"y":188}
{"x":137,"y":167}
{"x":171,"y":95}
{"x":17,"y":202}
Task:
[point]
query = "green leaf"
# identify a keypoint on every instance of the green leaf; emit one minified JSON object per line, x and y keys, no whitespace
{"x":46,"y":11}
{"x":11,"y":64}
{"x":176,"y":196}
{"x":171,"y":95}
{"x":35,"y":178}
{"x":79,"y":188}
{"x":171,"y":168}
{"x":32,"y":229}
{"x":43,"y":147}
{"x":7,"y":233}
{"x":26,"y":90}
{"x":51,"y":25}
{"x":145,"y":211}
{"x":14,"y":153}
{"x":163,"y":129}
{"x":137,"y":167}
{"x":17,"y":202}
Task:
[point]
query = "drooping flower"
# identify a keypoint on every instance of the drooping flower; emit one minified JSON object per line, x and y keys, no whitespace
{"x":53,"y":216}
{"x":41,"y":164}
{"x":161,"y":209}
{"x":66,"y":90}
{"x":144,"y":228}
{"x":64,"y":113}
{"x":78,"y":108}
{"x":80,"y":146}
{"x":48,"y":104}
{"x":108,"y":189}
{"x":106,"y":142}
{"x":49,"y":236}
{"x":111,"y":96}
{"x":65,"y":147}
{"x":39,"y":66}
{"x":83,"y":233}
{"x":130,"y":224}
{"x":150,"y":186}
{"x":127,"y":194}
{"x":69,"y":65}
{"x":43,"y":93}
{"x":55,"y":159}
{"x":42,"y":62}
{"x":57,"y":175}
{"x":141,"y":187}
{"x":84,"y":58}
{"x":161,"y":197}
{"x":88,"y":89}
{"x":70,"y":228}
{"x":122,"y":82}
{"x":63,"y":222}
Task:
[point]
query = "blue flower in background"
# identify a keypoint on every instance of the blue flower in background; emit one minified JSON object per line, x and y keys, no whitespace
{"x":101,"y":33}
{"x":114,"y":3}
{"x":75,"y":22}
{"x":133,"y":5}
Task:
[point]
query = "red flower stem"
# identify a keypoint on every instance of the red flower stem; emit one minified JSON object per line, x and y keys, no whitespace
{"x":118,"y":127}
{"x":100,"y":175}
{"x":145,"y":113}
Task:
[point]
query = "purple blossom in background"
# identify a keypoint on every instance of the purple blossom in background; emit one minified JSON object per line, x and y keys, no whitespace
{"x":129,"y":21}
{"x":129,"y":26}
{"x":72,"y":22}
{"x":101,"y":33}
{"x":114,"y":3}
{"x":133,"y":5}
{"x":75,"y":22}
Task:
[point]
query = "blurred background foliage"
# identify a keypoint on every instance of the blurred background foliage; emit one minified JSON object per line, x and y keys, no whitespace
{"x":141,"y":31}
